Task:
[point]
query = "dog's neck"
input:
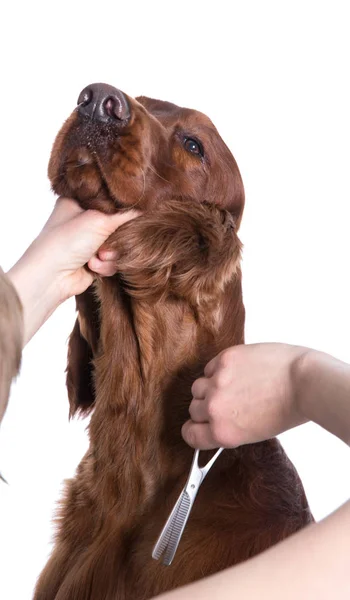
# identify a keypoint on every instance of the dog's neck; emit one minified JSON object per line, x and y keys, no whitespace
{"x":143,"y":385}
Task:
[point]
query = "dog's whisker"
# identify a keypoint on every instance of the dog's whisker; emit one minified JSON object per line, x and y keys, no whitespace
{"x":140,"y":198}
{"x":160,"y":176}
{"x":72,"y":166}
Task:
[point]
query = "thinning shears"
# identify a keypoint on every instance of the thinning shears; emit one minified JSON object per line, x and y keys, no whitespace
{"x":169,"y":539}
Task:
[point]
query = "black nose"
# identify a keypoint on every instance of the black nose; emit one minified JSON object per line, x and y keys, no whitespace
{"x":103,"y":102}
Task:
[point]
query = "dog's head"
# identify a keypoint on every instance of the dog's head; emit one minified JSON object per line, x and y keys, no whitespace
{"x":115,"y":152}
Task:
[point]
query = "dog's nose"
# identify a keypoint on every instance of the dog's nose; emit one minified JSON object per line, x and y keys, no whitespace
{"x":103,"y":102}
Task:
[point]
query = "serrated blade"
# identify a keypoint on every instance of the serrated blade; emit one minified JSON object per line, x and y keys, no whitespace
{"x":166,"y":531}
{"x":177,"y":528}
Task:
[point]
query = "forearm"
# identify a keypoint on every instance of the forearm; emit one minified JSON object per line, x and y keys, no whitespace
{"x":323,"y":392}
{"x":312,"y":564}
{"x":37,"y":289}
{"x":11,"y":326}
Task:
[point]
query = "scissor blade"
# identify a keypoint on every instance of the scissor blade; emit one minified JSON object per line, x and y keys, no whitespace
{"x":172,"y":531}
{"x":163,"y":539}
{"x":178,"y":526}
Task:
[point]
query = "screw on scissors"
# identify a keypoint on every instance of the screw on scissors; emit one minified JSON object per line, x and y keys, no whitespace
{"x":173,"y":529}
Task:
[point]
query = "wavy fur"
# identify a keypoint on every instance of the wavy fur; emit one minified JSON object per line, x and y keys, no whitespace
{"x":141,"y":339}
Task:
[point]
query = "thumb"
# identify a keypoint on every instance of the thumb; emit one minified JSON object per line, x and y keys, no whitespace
{"x":198,"y":435}
{"x":106,"y":224}
{"x":94,"y":228}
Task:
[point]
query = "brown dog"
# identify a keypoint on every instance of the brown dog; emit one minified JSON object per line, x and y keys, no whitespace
{"x":141,"y":339}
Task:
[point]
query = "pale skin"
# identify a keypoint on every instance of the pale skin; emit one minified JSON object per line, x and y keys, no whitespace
{"x":55,"y":260}
{"x":254,"y":392}
{"x":247,"y":394}
{"x":251,"y":393}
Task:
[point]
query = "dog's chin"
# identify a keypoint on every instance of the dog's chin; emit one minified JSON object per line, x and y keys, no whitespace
{"x":82,"y":180}
{"x":102,"y":201}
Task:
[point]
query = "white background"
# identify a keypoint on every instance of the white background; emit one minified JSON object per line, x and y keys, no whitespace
{"x":273,"y":76}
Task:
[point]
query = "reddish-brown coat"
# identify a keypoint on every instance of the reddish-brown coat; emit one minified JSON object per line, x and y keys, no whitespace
{"x":141,"y":340}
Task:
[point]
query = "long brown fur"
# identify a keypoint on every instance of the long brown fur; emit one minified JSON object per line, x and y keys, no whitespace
{"x":141,"y":339}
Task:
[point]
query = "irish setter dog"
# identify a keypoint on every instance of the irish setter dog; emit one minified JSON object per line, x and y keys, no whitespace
{"x":141,"y":338}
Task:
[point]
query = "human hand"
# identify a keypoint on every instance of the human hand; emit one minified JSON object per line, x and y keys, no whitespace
{"x":249,"y":393}
{"x":71,"y":238}
{"x":52,"y":268}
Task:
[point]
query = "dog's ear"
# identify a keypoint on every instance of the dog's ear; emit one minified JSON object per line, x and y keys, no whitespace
{"x":184,"y":250}
{"x":82,"y":347}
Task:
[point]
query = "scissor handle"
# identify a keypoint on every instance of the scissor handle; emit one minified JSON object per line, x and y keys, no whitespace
{"x":210,"y":463}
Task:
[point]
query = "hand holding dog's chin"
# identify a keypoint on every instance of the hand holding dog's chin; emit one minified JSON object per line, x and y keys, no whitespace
{"x":52,"y":268}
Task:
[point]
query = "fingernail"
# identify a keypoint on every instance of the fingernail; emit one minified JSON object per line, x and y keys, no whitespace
{"x":107,"y":255}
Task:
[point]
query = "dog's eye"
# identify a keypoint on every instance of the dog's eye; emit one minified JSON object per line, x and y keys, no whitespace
{"x":193,"y":146}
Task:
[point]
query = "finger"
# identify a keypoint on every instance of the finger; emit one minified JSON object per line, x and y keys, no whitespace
{"x":199,"y":388}
{"x":211,"y":366}
{"x":78,"y":283}
{"x":198,"y":411}
{"x":106,"y":268}
{"x":198,"y":435}
{"x":68,"y":205}
{"x":107,"y":224}
{"x":123,"y":217}
{"x":64,"y":210}
{"x":86,"y":279}
{"x":105,"y":254}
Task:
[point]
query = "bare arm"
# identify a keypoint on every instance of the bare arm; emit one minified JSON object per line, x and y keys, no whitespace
{"x":10,"y":337}
{"x":324,"y":393}
{"x":250,"y":393}
{"x":313,"y":564}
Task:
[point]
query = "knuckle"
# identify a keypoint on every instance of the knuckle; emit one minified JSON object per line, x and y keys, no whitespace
{"x":226,"y":357}
{"x":223,"y":372}
{"x":194,"y":388}
{"x":221,"y":379}
{"x":190,"y":410}
{"x":189,"y":435}
{"x":217,"y":434}
{"x":212,"y":409}
{"x":191,"y":438}
{"x":199,"y":387}
{"x":223,"y":435}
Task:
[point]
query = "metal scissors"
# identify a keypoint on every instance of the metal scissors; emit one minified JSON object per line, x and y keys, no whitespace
{"x":170,"y":537}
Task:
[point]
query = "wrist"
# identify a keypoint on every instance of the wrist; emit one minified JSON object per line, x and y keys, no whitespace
{"x":324,"y":391}
{"x":302,"y":371}
{"x":312,"y":365}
